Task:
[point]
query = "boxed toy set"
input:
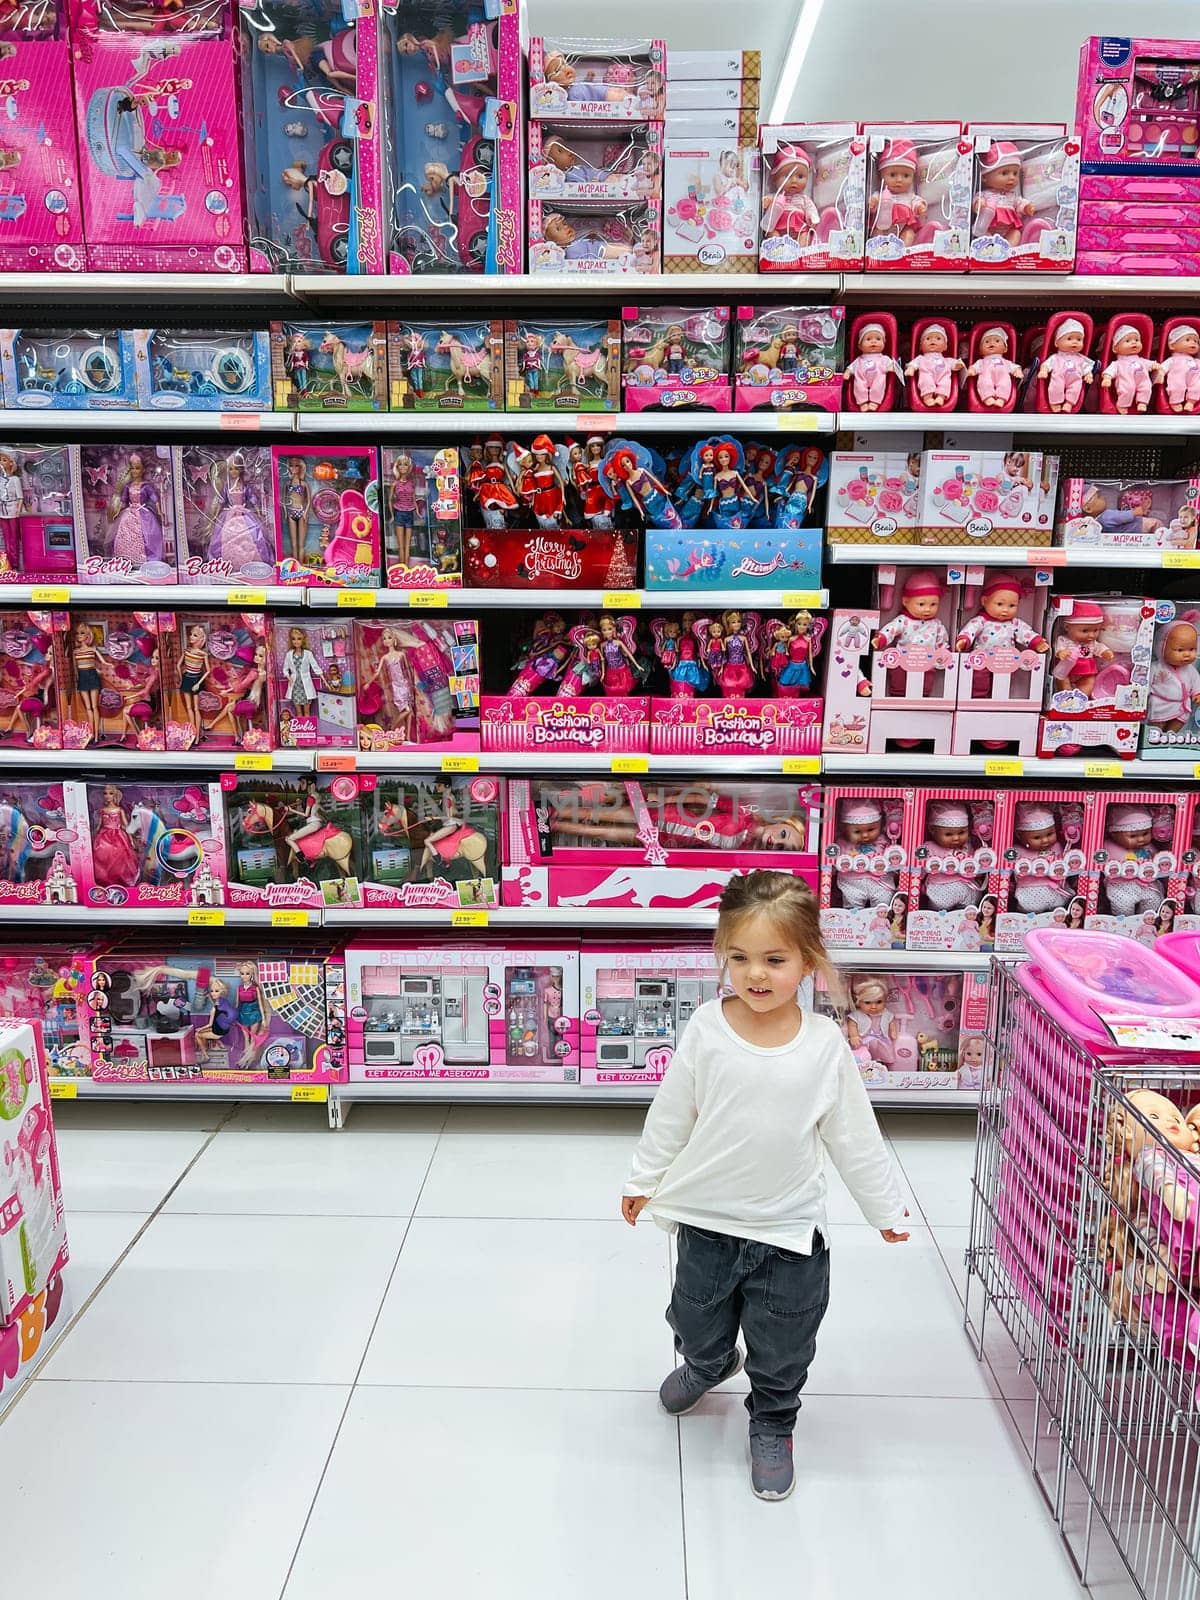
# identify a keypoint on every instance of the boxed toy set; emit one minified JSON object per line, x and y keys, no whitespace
{"x":919,"y":190}
{"x":675,"y":357}
{"x":30,"y":668}
{"x":123,"y":499}
{"x":575,"y":164}
{"x":814,"y":197}
{"x":418,"y":683}
{"x":788,"y":358}
{"x":217,"y":681}
{"x":874,"y":495}
{"x":202,"y":371}
{"x":1172,"y":725}
{"x":312,"y":662}
{"x":913,"y":1031}
{"x":45,"y":859}
{"x":37,"y":525}
{"x":293,"y":842}
{"x":321,"y":366}
{"x":432,"y":844}
{"x":585,"y":81}
{"x":150,"y":844}
{"x":634,"y":1002}
{"x":1024,"y":214}
{"x":865,"y":867}
{"x":225,"y":498}
{"x":1113,"y":514}
{"x":110,"y":682}
{"x":1097,"y":685}
{"x":1046,"y":876}
{"x":76,"y":370}
{"x":562,"y":365}
{"x":33,"y":1237}
{"x":711,"y":204}
{"x":1138,"y":844}
{"x":954,"y":881}
{"x":423,"y":516}
{"x":987,"y":497}
{"x":41,"y":220}
{"x":435,"y":367}
{"x":327,"y":515}
{"x":572,"y":237}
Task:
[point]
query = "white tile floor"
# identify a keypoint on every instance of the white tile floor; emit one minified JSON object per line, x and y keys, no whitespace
{"x":420,"y":1357}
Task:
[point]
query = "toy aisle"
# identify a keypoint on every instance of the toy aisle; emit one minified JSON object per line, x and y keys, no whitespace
{"x":470,"y":488}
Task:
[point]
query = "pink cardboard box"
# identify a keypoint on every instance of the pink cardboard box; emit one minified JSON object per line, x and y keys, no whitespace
{"x":919,"y":184}
{"x":48,"y":862}
{"x":1143,"y":189}
{"x":954,"y":887}
{"x":1138,"y":102}
{"x":151,"y":844}
{"x":635,"y":1001}
{"x":564,"y":723}
{"x":866,"y":859}
{"x":159,"y":152}
{"x":1045,"y":880}
{"x":736,"y":727}
{"x":1137,"y":263}
{"x":41,"y":221}
{"x":33,"y":1234}
{"x":1137,"y":856}
{"x":418,"y":683}
{"x":913,"y":1031}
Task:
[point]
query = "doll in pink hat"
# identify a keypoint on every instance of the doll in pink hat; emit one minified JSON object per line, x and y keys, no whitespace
{"x":1180,"y":372}
{"x":1078,"y":653}
{"x":860,"y":832}
{"x":1068,"y":369}
{"x":999,"y":207}
{"x":871,"y":368}
{"x":1129,"y":837}
{"x":916,"y":626}
{"x":992,"y":370}
{"x":948,"y":839}
{"x":788,"y":209}
{"x":1036,"y":847}
{"x":996,"y":626}
{"x":933,"y":367}
{"x":1129,"y":372}
{"x":897,"y":207}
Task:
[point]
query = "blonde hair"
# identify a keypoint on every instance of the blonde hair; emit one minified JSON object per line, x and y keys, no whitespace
{"x":789,"y":903}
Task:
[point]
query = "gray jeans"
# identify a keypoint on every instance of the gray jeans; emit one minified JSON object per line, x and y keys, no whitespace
{"x":778,"y":1298}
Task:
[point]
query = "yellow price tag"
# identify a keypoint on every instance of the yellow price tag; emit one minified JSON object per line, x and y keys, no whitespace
{"x":798,"y":421}
{"x":1196,"y":772}
{"x":428,"y":599}
{"x":798,"y":766}
{"x":801,"y":599}
{"x":63,"y":1089}
{"x":289,"y":919}
{"x":468,"y":919}
{"x":253,"y":763}
{"x":621,"y":600}
{"x":630,"y":764}
{"x":1103,"y":769}
{"x":246,"y":597}
{"x":51,"y":594}
{"x":1181,"y":558}
{"x":310,"y":1093}
{"x":1003,"y":767}
{"x":206,"y":919}
{"x":460,"y":763}
{"x":356,"y":600}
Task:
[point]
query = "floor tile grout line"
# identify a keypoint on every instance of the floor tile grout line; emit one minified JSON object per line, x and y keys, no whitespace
{"x":337,"y":1432}
{"x":682,"y":1507}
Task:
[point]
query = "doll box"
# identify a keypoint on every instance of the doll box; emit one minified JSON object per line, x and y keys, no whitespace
{"x":986,"y":497}
{"x":434,"y":844}
{"x":675,"y":357}
{"x":293,"y":843}
{"x":41,"y":224}
{"x":1137,"y":263}
{"x":847,"y":684}
{"x":563,"y":723}
{"x":744,"y":559}
{"x":38,"y":529}
{"x":715,"y":64}
{"x":941,"y":161}
{"x":83,"y":370}
{"x":326,"y":515}
{"x":225,"y":499}
{"x":159,"y":153}
{"x":621,"y":164}
{"x":47,"y":861}
{"x":217,"y":686}
{"x":1172,"y":726}
{"x":110,"y":679}
{"x":954,"y":892}
{"x":658,"y":888}
{"x":1050,"y":886}
{"x":562,"y":365}
{"x":1153,"y":238}
{"x":1045,"y":204}
{"x":596,"y":80}
{"x":865,"y":866}
{"x":202,"y":371}
{"x":314,"y":680}
{"x":788,"y":358}
{"x":571,"y":237}
{"x":635,"y":1002}
{"x":418,"y":683}
{"x":736,"y":727}
{"x":714,"y":123}
{"x":317,"y":366}
{"x":1136,"y":103}
{"x":469,"y":1013}
{"x":1114,"y":514}
{"x":152,"y":844}
{"x":433,"y":366}
{"x":30,"y":661}
{"x":423,"y":516}
{"x":33,"y":1235}
{"x":710,"y":207}
{"x":1133,"y":191}
{"x":705,"y":94}
{"x":123,"y":497}
{"x":560,"y":558}
{"x":814,"y":189}
{"x":874,"y":495}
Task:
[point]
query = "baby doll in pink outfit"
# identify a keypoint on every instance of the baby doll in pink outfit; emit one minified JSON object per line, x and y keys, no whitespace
{"x":871,"y":368}
{"x":993,"y":372}
{"x":897,"y":207}
{"x":1129,"y":372}
{"x":916,"y":626}
{"x":948,"y":836}
{"x":1078,"y":653}
{"x":934,"y":369}
{"x":996,"y":626}
{"x":999,"y":207}
{"x":1180,"y":372}
{"x":1068,"y":369}
{"x":860,"y":832}
{"x":1036,"y":841}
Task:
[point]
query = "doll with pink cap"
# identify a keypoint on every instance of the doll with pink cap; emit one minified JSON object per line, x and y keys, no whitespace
{"x":788,"y":208}
{"x":948,"y":829}
{"x":999,"y":206}
{"x":1129,"y":374}
{"x":1129,"y":837}
{"x":1036,"y":890}
{"x":934,"y":367}
{"x":1180,"y":372}
{"x":861,"y":832}
{"x":1175,"y":680}
{"x":1078,"y":653}
{"x":994,"y":373}
{"x":1068,"y":369}
{"x":917,"y":624}
{"x":871,"y":368}
{"x":896,"y":207}
{"x":996,"y":626}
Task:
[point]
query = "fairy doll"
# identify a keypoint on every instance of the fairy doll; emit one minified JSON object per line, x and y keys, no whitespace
{"x":238,"y":533}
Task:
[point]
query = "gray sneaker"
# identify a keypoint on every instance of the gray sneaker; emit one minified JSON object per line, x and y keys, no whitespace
{"x":684,"y":1389}
{"x":771,"y":1474}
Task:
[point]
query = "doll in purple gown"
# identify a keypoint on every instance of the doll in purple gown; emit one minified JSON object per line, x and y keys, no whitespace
{"x":238,"y":534}
{"x":135,"y":516}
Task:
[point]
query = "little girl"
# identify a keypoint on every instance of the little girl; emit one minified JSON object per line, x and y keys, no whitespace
{"x":732,"y":1161}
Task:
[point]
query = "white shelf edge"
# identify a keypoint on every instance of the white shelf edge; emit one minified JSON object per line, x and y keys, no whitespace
{"x":160,"y":596}
{"x":116,"y":760}
{"x":142,"y":286}
{"x":573,"y":422}
{"x":966,"y":422}
{"x":530,"y":598}
{"x":1047,"y":768}
{"x":500,"y":286}
{"x":1045,"y":556}
{"x":48,"y":420}
{"x":950,"y":288}
{"x":504,"y":1092}
{"x":100,"y":917}
{"x":175,"y":1089}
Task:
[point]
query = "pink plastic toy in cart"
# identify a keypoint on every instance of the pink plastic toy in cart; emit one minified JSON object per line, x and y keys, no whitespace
{"x":41,"y":225}
{"x":1080,"y":977}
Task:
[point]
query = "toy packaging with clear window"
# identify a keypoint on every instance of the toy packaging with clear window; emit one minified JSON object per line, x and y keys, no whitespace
{"x":313,"y":663}
{"x":37,"y":523}
{"x":562,"y":364}
{"x":875,"y":495}
{"x":429,"y":843}
{"x":1003,"y":656}
{"x":33,"y":1234}
{"x":954,"y":886}
{"x":914,"y":667}
{"x":76,"y":370}
{"x":814,"y":197}
{"x":45,"y":853}
{"x":453,"y":179}
{"x":1138,"y":845}
{"x":586,"y":81}
{"x":675,"y":357}
{"x":919,"y":186}
{"x":41,"y":222}
{"x":327,"y":366}
{"x":711,"y":206}
{"x":446,"y":365}
{"x":202,"y":371}
{"x":293,"y":842}
{"x":572,"y":237}
{"x":913,"y":1031}
{"x":217,"y":681}
{"x":635,"y":1001}
{"x":578,"y":164}
{"x":1113,"y":514}
{"x":986,"y":497}
{"x":1025,"y":211}
{"x":1097,"y":685}
{"x":788,"y":358}
{"x":1045,"y":877}
{"x":423,"y":516}
{"x":1172,"y":725}
{"x":110,"y":679}
{"x":327,"y":515}
{"x":418,"y":683}
{"x":225,"y":497}
{"x":125,"y":518}
{"x":151,"y":844}
{"x":30,"y":660}
{"x":866,"y":859}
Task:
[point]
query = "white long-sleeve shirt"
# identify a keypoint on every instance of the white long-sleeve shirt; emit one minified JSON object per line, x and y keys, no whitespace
{"x":736,"y":1137}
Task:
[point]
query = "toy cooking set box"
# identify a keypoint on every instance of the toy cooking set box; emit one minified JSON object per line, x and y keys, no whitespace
{"x":635,"y":1001}
{"x":41,"y":221}
{"x":33,"y":1237}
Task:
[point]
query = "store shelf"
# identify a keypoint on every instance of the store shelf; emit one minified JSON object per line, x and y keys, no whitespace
{"x":177,"y":1089}
{"x":549,"y":286}
{"x":110,"y":759}
{"x":518,"y":762}
{"x":164,"y":287}
{"x":681,"y":599}
{"x":624,"y":423}
{"x":132,"y":421}
{"x":947,"y":289}
{"x":101,"y":918}
{"x":965,"y":555}
{"x":923,"y":1099}
{"x":440,"y":1090}
{"x":1049,"y":769}
{"x":964,"y":422}
{"x":143,"y":597}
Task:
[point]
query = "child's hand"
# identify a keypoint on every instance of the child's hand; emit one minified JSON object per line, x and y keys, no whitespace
{"x":890,"y":1236}
{"x":631,"y":1207}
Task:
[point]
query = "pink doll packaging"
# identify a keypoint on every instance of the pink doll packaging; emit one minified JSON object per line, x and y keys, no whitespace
{"x":1165,"y":262}
{"x":217,"y":681}
{"x":1188,"y":886}
{"x":635,"y":1001}
{"x":39,"y":982}
{"x":912,"y":1031}
{"x":847,"y":684}
{"x":46,"y":860}
{"x":492,"y":1013}
{"x":418,"y":683}
{"x":613,"y":242}
{"x":294,"y":841}
{"x":37,"y":525}
{"x":33,"y":1235}
{"x":934,"y":367}
{"x":1002,"y":654}
{"x":30,"y":656}
{"x":986,"y":497}
{"x":565,"y":723}
{"x":1066,"y":374}
{"x":314,"y":680}
{"x":327,"y":515}
{"x":814,"y":197}
{"x":1097,"y":685}
{"x":874,"y":375}
{"x":159,"y":149}
{"x":875,"y":495}
{"x":124,"y":507}
{"x":41,"y":222}
{"x":954,"y":886}
{"x":1172,"y":725}
{"x":914,"y":668}
{"x":675,"y":357}
{"x":581,"y":843}
{"x":866,"y":857}
{"x":432,"y":843}
{"x":1137,"y":104}
{"x":919,"y":184}
{"x":1045,"y":878}
{"x":711,"y":207}
{"x":1125,"y":365}
{"x":585,"y":81}
{"x":1137,"y":850}
{"x":226,"y":503}
{"x":1024,"y":214}
{"x":788,"y":358}
{"x":1178,"y":368}
{"x":110,"y":679}
{"x":616,"y":164}
{"x":151,"y":844}
{"x":1121,"y":514}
